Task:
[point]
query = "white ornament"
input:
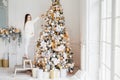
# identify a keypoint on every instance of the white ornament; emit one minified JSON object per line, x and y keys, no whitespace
{"x":53,"y":55}
{"x":58,"y":28}
{"x":56,"y":61}
{"x":52,"y":23}
{"x":51,"y":11}
{"x":43,"y":44}
{"x":45,"y":34}
{"x":65,"y":55}
{"x":57,"y":14}
{"x":60,"y":48}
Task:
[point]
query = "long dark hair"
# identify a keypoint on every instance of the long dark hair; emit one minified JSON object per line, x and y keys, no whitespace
{"x":26,"y":16}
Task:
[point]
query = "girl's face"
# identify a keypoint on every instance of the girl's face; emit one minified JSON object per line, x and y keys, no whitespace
{"x":29,"y":18}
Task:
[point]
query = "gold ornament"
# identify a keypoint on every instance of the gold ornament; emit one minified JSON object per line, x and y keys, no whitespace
{"x":66,"y":35}
{"x":61,"y":58}
{"x":62,"y":18}
{"x":16,"y":30}
{"x":60,"y":67}
{"x":38,"y":44}
{"x":46,"y":30}
{"x":67,"y":49}
{"x":55,"y":2}
{"x":57,"y":18}
{"x":43,"y":64}
{"x":45,"y":69}
{"x":61,"y":24}
{"x":53,"y":8}
{"x":7,"y":32}
{"x":45,"y":59}
{"x":57,"y":8}
{"x":2,"y":31}
{"x":52,"y":15}
{"x":53,"y":44}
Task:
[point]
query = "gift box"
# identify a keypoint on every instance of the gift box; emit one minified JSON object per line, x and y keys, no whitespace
{"x":54,"y":74}
{"x":39,"y":73}
{"x":1,"y":62}
{"x":34,"y":72}
{"x":5,"y":63}
{"x":63,"y":73}
{"x":45,"y":75}
{"x":57,"y":74}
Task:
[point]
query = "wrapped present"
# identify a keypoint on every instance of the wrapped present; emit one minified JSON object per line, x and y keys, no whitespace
{"x":5,"y":60}
{"x":5,"y":63}
{"x":57,"y":74}
{"x":46,"y":75}
{"x":63,"y":73}
{"x":1,"y":62}
{"x":52,"y":74}
{"x":34,"y":72}
{"x":40,"y":74}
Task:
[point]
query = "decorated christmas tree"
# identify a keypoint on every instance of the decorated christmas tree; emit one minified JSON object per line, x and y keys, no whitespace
{"x":52,"y":48}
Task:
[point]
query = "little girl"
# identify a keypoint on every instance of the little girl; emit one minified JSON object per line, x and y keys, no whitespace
{"x":29,"y":31}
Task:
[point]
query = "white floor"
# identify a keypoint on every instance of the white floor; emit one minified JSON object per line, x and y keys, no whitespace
{"x":8,"y":74}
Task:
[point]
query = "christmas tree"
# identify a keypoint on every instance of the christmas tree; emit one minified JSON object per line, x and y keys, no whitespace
{"x":52,"y":48}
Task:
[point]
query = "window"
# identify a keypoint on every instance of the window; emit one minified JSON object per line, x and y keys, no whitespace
{"x":105,"y":42}
{"x":3,"y":13}
{"x":110,"y":40}
{"x":117,"y":41}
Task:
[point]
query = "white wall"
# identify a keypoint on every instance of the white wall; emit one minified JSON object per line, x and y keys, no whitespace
{"x":18,"y":8}
{"x":72,"y":17}
{"x":83,"y":22}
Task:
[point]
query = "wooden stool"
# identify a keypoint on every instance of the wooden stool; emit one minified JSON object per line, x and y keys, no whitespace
{"x":20,"y":68}
{"x":26,"y":61}
{"x":24,"y":67}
